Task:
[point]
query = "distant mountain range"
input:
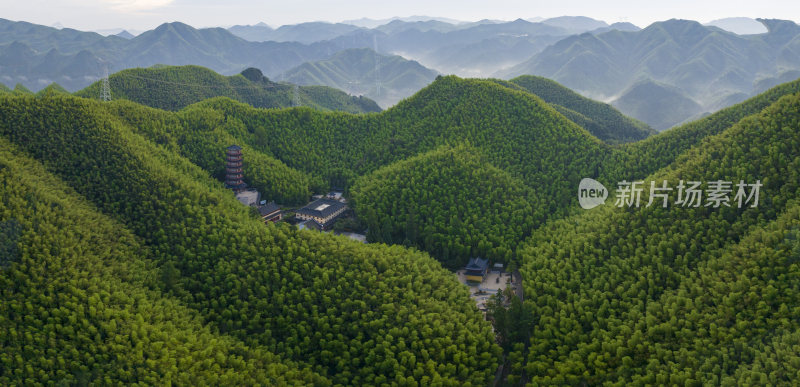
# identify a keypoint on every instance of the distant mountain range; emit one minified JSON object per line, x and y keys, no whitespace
{"x":304,"y":32}
{"x":361,"y":71}
{"x":468,"y":49}
{"x":678,"y":67}
{"x":36,"y":55}
{"x":694,"y":65}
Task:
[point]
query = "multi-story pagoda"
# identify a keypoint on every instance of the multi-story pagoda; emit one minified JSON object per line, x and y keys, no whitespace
{"x":233,"y":168}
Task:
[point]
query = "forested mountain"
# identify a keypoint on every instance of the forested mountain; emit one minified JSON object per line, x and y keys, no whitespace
{"x":677,"y":295}
{"x":362,"y":71}
{"x":93,"y":309}
{"x":706,"y":64}
{"x":511,"y":129}
{"x":648,"y":156}
{"x":601,"y":120}
{"x":337,"y":311}
{"x":516,"y":131}
{"x":125,"y":260}
{"x":450,"y":202}
{"x":175,"y":87}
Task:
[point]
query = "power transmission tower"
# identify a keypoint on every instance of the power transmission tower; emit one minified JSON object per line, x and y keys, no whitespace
{"x":377,"y":63}
{"x":296,"y":96}
{"x":106,"y":92}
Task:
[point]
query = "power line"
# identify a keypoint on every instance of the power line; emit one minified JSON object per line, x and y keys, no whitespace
{"x":106,"y":86}
{"x":377,"y":64}
{"x":296,"y":96}
{"x":123,"y":75}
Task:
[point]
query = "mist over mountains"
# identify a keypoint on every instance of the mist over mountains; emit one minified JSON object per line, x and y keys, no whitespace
{"x":687,"y":69}
{"x":361,"y":71}
{"x":700,"y":65}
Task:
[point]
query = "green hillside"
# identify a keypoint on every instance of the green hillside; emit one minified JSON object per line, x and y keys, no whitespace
{"x":449,"y":202}
{"x":175,"y":87}
{"x":516,"y":131}
{"x":19,"y":89}
{"x":321,"y":301}
{"x":645,"y":157}
{"x":680,"y":295}
{"x":81,"y":302}
{"x":600,"y":119}
{"x":123,"y":259}
{"x":361,"y":71}
{"x":201,"y":135}
{"x":53,"y":88}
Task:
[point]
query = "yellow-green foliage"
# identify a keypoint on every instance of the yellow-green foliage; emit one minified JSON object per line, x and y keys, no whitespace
{"x":449,"y":202}
{"x":353,"y":313}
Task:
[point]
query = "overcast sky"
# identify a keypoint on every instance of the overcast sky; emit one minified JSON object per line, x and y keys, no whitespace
{"x":147,"y":14}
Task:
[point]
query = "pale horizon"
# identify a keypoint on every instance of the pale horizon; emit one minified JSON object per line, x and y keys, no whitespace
{"x":143,"y":15}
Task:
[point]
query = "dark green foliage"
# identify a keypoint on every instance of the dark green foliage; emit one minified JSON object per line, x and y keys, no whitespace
{"x":677,"y":295}
{"x":254,"y":75}
{"x":516,"y":131}
{"x":449,"y":202}
{"x":353,"y":313}
{"x":512,"y":319}
{"x":118,"y":207}
{"x":645,"y":157}
{"x":175,"y":87}
{"x":77,"y":306}
{"x":10,"y":231}
{"x":600,"y":119}
{"x":202,"y":134}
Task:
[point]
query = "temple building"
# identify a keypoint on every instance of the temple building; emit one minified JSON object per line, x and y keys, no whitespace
{"x":476,"y":269}
{"x":324,"y":211}
{"x":270,"y":212}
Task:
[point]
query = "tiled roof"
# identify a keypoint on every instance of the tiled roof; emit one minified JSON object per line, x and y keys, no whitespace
{"x":268,"y":208}
{"x":321,"y":208}
{"x":477,"y":264}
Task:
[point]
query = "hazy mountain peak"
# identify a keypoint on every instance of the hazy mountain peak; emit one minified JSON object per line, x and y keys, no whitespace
{"x":624,"y":26}
{"x":575,"y":24}
{"x":172,"y":26}
{"x":125,"y":34}
{"x":739,"y":25}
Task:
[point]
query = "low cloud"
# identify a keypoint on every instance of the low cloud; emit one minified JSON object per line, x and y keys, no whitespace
{"x":135,"y":5}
